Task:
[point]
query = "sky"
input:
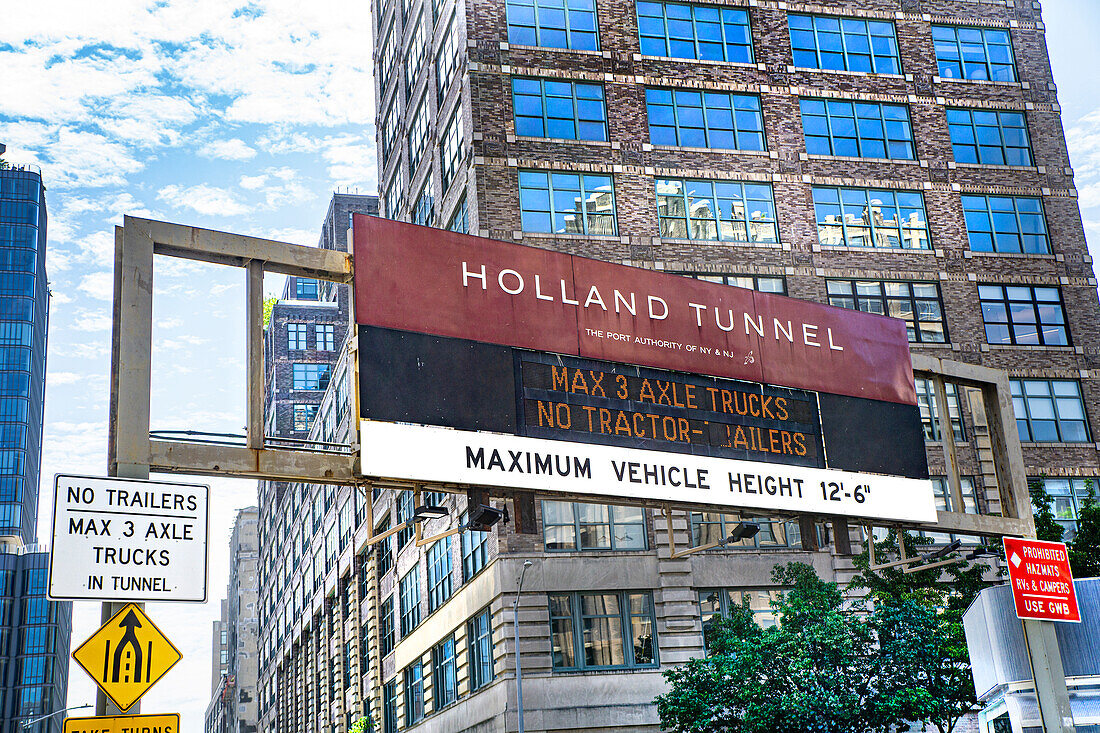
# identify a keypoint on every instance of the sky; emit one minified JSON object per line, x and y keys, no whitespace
{"x":243,"y":117}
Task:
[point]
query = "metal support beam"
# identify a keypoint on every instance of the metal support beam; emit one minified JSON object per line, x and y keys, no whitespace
{"x":947,"y":436}
{"x":254,"y":352}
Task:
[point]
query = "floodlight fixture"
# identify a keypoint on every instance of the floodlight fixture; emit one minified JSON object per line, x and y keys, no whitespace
{"x":483,"y":517}
{"x":981,"y":551}
{"x":743,"y":531}
{"x":943,"y":551}
{"x":424,"y":513}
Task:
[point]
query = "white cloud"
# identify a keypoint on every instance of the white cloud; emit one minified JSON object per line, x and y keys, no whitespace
{"x":92,"y":321}
{"x":204,"y":199}
{"x":232,"y":149}
{"x":98,"y":285}
{"x":59,"y":378}
{"x":253,"y":182}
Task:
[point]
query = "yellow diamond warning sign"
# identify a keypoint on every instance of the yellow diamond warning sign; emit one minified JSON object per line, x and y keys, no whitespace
{"x":127,"y":656}
{"x":164,"y":723}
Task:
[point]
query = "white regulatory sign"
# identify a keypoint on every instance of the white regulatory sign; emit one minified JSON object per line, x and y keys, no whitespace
{"x":127,"y":540}
{"x":424,"y":453}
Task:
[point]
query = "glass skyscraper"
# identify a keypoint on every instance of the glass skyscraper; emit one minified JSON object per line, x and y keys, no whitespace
{"x":34,"y":631}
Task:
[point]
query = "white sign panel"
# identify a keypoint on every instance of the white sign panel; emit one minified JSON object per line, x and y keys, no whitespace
{"x":425,"y":453}
{"x":126,"y":540}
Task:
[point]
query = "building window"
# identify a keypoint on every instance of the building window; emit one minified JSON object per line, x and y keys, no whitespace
{"x":479,"y":640}
{"x":386,"y":640}
{"x":760,"y":283}
{"x":1023,"y":314}
{"x":1005,"y":224}
{"x":989,"y":137}
{"x":439,"y":573}
{"x":844,"y":44}
{"x":918,"y":304}
{"x":303,"y":416}
{"x":697,"y":119}
{"x":395,"y":191}
{"x":715,"y":603}
{"x":944,"y":503}
{"x":567,"y":203}
{"x":705,"y":32}
{"x":475,"y":551}
{"x":414,"y":694}
{"x":573,"y":526}
{"x":385,"y":548}
{"x":422,"y":213}
{"x":389,"y":707}
{"x":305,"y":289}
{"x":390,"y":126}
{"x":404,"y":501}
{"x":416,"y":52}
{"x":710,"y":527}
{"x":444,"y":674}
{"x":974,"y":53}
{"x":387,"y":61}
{"x":726,"y":211}
{"x":566,"y":110}
{"x":1068,"y":497}
{"x":296,"y":336}
{"x":1049,"y":410}
{"x":929,"y":410}
{"x":312,"y":376}
{"x":460,"y":221}
{"x":326,"y":338}
{"x":602,"y":630}
{"x":857,"y":129}
{"x":446,"y":62}
{"x":553,"y":23}
{"x":860,"y":217}
{"x":409,"y":589}
{"x":450,"y":149}
{"x":419,"y":129}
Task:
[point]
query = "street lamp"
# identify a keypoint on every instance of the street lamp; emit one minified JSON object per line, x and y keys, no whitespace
{"x":515,"y":624}
{"x":40,"y":718}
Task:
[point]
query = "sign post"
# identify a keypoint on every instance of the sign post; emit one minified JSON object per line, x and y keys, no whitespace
{"x":1042,"y":591}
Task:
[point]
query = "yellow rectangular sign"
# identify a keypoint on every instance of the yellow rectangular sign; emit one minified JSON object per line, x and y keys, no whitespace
{"x":166,"y":723}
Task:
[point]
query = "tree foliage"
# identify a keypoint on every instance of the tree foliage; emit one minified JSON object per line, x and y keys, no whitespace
{"x":828,"y":668}
{"x":269,"y":305}
{"x":363,"y":725}
{"x":1041,"y":501}
{"x":1084,"y":550}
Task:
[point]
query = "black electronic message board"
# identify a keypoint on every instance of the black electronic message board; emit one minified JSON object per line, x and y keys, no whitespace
{"x":568,"y":398}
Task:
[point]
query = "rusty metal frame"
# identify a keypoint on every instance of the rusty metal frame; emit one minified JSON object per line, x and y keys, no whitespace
{"x":129,"y":443}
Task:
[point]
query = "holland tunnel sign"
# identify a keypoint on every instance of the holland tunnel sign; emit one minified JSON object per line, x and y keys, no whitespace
{"x":497,"y":364}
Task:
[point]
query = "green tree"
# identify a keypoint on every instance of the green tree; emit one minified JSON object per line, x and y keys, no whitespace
{"x":269,"y":305}
{"x":1084,"y":551}
{"x":363,"y":725}
{"x":814,"y":673}
{"x":918,"y":620}
{"x":1045,"y":526}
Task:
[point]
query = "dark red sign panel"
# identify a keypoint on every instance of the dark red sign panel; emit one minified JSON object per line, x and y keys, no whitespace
{"x":1042,"y":583}
{"x":437,"y":282}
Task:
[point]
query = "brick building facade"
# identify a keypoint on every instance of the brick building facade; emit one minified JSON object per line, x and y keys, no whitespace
{"x":898,"y":156}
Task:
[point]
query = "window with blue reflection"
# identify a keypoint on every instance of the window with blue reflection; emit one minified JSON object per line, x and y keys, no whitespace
{"x":698,"y":119}
{"x":704,"y":32}
{"x":844,"y":44}
{"x":728,"y":211}
{"x":567,"y":203}
{"x":989,"y":137}
{"x":857,"y":129}
{"x":553,"y":23}
{"x":1023,"y":314}
{"x":305,"y":289}
{"x":860,"y":217}
{"x":974,"y":53}
{"x":559,"y":109}
{"x":1049,"y":410}
{"x":1005,"y":224}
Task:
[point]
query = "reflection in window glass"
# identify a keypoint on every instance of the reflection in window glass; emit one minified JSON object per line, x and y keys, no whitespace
{"x":698,"y":119}
{"x":574,"y":526}
{"x":1005,"y":224}
{"x":704,"y":32}
{"x":974,"y":53}
{"x":916,"y":303}
{"x":857,"y":129}
{"x":602,"y":630}
{"x":989,"y":137}
{"x":553,"y":23}
{"x":844,"y":44}
{"x":567,"y":203}
{"x":859,"y":217}
{"x":1023,"y":314}
{"x":1049,"y":410}
{"x":727,"y":211}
